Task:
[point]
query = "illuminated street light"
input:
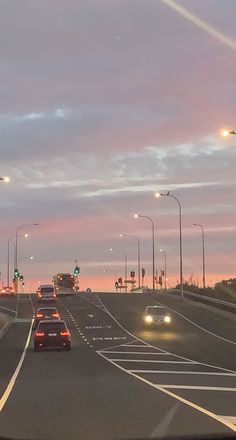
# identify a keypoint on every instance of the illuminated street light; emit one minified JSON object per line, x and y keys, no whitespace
{"x":153,"y":246}
{"x":203,"y":254}
{"x":125,"y":261}
{"x":5,"y":179}
{"x":180,"y":239}
{"x":226,"y":133}
{"x":138,"y":252}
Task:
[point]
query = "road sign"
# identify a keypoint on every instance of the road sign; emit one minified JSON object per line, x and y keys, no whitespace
{"x":129,"y":281}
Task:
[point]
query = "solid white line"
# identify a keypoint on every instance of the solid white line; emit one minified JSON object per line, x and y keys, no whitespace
{"x":9,"y":310}
{"x":198,"y":326}
{"x":136,"y":352}
{"x":175,"y":396}
{"x":199,"y":387}
{"x":158,"y":362}
{"x":134,"y":345}
{"x":231,"y":419}
{"x":11,"y":384}
{"x":204,"y":373}
{"x":3,"y":329}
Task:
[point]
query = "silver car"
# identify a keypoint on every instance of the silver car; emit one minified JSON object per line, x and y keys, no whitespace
{"x":156,"y":315}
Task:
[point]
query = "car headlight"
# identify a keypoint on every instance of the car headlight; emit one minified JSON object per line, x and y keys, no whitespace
{"x":167,"y":319}
{"x":148,"y":319}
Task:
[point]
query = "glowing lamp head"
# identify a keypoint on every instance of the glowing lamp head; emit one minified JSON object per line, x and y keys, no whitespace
{"x":6,"y":179}
{"x":225,"y":133}
{"x":136,"y":215}
{"x":157,"y":195}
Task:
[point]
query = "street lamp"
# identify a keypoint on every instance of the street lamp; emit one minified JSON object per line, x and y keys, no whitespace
{"x":125,"y":261}
{"x":164,"y":253}
{"x":180,"y":239}
{"x":8,"y":255}
{"x":226,"y":133}
{"x":16,"y":249}
{"x":138,"y":253}
{"x":203,"y":254}
{"x":5,"y":179}
{"x":153,"y":246}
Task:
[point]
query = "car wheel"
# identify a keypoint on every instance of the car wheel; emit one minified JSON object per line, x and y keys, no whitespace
{"x":36,"y":347}
{"x":68,"y":347}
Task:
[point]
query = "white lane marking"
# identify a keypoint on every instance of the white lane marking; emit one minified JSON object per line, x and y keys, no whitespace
{"x":161,"y":430}
{"x":137,"y":352}
{"x":199,"y":326}
{"x":160,"y":362}
{"x":231,"y":419}
{"x":199,"y":387}
{"x":11,"y":384}
{"x":17,"y":306}
{"x":175,"y":396}
{"x":9,"y":310}
{"x":134,"y":345}
{"x":204,"y":373}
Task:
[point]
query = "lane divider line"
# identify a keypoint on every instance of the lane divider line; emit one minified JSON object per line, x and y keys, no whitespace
{"x":7,"y":392}
{"x":175,"y":396}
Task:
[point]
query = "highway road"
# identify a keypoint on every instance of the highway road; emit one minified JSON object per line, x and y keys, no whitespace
{"x":120,"y":380}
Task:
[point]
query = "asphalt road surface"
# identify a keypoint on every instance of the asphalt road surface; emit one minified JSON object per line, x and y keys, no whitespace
{"x":120,"y":380}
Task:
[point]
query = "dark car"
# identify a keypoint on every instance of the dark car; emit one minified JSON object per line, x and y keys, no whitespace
{"x":52,"y":334}
{"x":45,"y":313}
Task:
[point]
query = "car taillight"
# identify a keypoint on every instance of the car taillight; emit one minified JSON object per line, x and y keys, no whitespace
{"x":39,"y":334}
{"x":65,"y":333}
{"x":55,"y":315}
{"x":39,"y":315}
{"x":54,"y":295}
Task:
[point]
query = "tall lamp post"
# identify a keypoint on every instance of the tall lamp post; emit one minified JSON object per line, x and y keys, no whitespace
{"x":138,"y":253}
{"x":203,"y":254}
{"x":17,"y":234}
{"x":164,"y":253}
{"x":125,"y":262}
{"x":180,"y":239}
{"x":153,"y":246}
{"x":8,"y":255}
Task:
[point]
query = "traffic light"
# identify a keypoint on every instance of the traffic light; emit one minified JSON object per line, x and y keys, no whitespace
{"x":116,"y":284}
{"x":16,"y":273}
{"x":120,"y":280}
{"x":143,"y":272}
{"x":76,"y":270}
{"x":132,"y":274}
{"x":21,"y":277}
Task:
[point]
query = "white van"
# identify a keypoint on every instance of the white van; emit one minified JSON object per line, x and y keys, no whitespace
{"x":46,"y":292}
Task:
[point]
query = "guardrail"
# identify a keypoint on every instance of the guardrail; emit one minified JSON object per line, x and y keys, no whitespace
{"x":216,"y":302}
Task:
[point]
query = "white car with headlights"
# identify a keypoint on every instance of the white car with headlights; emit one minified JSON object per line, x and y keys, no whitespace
{"x":156,"y":315}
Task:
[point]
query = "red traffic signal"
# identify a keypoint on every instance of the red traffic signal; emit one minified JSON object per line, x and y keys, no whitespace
{"x":132,"y":274}
{"x":120,"y":280}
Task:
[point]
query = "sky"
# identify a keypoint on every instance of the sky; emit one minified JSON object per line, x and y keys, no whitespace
{"x":103,"y":103}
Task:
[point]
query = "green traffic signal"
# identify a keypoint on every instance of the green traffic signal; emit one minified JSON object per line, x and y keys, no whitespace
{"x":16,"y":273}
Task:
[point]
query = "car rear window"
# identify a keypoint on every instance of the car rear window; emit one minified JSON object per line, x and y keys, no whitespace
{"x":47,"y":290}
{"x":55,"y":326}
